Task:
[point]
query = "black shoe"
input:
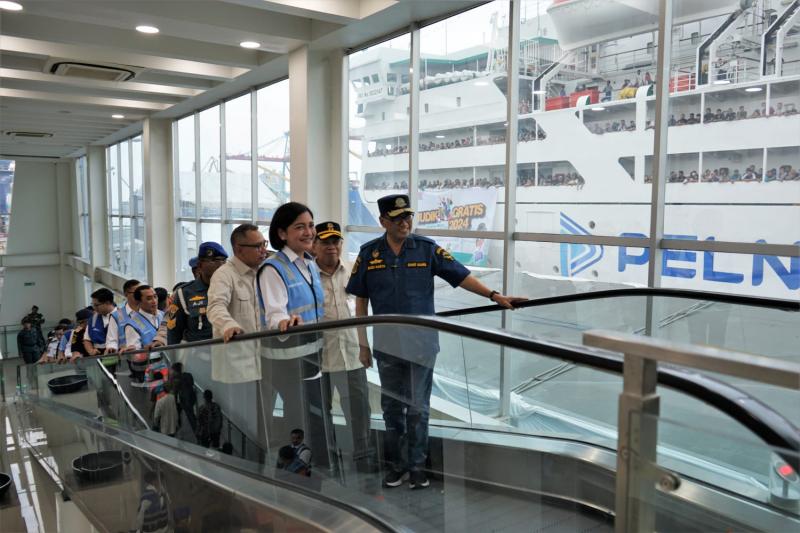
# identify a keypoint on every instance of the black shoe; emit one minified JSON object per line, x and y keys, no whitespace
{"x":418,"y":480}
{"x":395,"y":478}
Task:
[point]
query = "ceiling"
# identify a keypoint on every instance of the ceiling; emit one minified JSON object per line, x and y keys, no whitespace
{"x":193,"y":61}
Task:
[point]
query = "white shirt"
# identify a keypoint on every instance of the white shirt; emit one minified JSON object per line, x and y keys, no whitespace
{"x":273,"y":289}
{"x":132,"y":339}
{"x":341,"y":346}
{"x":112,"y":334}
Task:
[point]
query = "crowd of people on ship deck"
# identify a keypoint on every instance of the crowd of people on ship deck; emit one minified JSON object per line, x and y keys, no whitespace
{"x":523,"y":135}
{"x":685,"y":119}
{"x":727,"y":175}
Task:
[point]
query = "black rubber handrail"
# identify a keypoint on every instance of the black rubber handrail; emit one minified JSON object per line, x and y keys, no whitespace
{"x":771,"y":427}
{"x":770,"y":303}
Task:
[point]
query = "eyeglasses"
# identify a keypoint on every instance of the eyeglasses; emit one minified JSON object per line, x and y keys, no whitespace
{"x":262,"y":244}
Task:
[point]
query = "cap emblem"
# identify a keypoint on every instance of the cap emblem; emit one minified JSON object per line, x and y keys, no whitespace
{"x":400,"y":202}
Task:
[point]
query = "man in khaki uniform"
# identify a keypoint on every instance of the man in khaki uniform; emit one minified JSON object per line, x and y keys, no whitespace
{"x":341,"y":368}
{"x":232,"y":307}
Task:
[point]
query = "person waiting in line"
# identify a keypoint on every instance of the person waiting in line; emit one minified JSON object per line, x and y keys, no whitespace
{"x":394,"y":273}
{"x":37,"y":321}
{"x":682,"y":121}
{"x":672,"y":121}
{"x":288,"y":460}
{"x":141,"y":329}
{"x":209,"y":421}
{"x":183,"y":385}
{"x":105,"y":314}
{"x":115,"y":337}
{"x":341,"y":368}
{"x":162,"y":295}
{"x":186,"y":319}
{"x":29,"y":346}
{"x":50,"y":353}
{"x":290,"y":294}
{"x":74,"y":347}
{"x":165,"y":413}
{"x":153,"y":512}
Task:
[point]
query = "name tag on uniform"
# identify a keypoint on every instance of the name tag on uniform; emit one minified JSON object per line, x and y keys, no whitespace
{"x":417,"y":264}
{"x":376,"y":267}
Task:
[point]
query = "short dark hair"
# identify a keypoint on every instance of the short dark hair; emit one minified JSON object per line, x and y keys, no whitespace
{"x":26,"y":320}
{"x":177,"y":366}
{"x":208,"y":395}
{"x":130,"y":283}
{"x":162,"y":294}
{"x":299,"y":432}
{"x":239,"y":232}
{"x":284,"y":216}
{"x":103,"y":296}
{"x":137,"y":294}
{"x":150,"y":476}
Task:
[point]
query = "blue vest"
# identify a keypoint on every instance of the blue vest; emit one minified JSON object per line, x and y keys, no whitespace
{"x":120,"y":316}
{"x":305,"y":299}
{"x":147,"y":332}
{"x":157,"y":515}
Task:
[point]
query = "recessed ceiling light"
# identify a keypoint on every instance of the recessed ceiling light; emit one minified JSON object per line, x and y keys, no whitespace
{"x":753,"y":89}
{"x":440,"y":136}
{"x":722,"y":82}
{"x":146,"y":29}
{"x":116,"y":115}
{"x":481,"y":83}
{"x":539,"y":92}
{"x":10,"y":6}
{"x":249,"y":44}
{"x":597,"y":108}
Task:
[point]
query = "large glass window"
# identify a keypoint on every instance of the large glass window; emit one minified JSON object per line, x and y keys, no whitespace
{"x":272,"y":168}
{"x":199,"y":140}
{"x":186,"y":171}
{"x":238,"y":159}
{"x":124,"y":169}
{"x":209,"y":162}
{"x":378,"y":118}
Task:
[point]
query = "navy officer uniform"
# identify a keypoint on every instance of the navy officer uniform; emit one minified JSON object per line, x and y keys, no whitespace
{"x":186,"y":316}
{"x":404,"y":284}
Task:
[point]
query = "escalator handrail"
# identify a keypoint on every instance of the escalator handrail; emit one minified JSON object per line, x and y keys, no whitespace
{"x":770,"y":303}
{"x":132,"y":440}
{"x":125,"y":398}
{"x":756,"y":416}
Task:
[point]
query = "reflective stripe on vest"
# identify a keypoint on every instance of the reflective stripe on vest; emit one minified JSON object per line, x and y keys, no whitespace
{"x":121,"y":317}
{"x":305,"y":299}
{"x":146,"y":330}
{"x":156,"y":516}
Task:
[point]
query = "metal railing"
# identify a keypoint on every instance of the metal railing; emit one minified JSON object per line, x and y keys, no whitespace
{"x":639,"y":408}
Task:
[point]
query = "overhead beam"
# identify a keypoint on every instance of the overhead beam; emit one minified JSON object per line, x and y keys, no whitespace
{"x":100,"y":54}
{"x":128,"y":86}
{"x":85,"y":100}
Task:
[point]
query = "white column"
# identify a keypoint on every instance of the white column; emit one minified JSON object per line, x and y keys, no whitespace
{"x":98,"y":204}
{"x":315,"y":114}
{"x":158,"y":203}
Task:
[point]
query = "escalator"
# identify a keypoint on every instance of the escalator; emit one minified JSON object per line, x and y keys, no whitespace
{"x":543,"y":459}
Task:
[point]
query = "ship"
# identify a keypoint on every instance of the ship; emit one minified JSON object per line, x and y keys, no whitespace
{"x":586,"y":140}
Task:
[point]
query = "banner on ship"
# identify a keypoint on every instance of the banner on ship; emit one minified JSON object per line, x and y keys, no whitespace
{"x":459,"y":209}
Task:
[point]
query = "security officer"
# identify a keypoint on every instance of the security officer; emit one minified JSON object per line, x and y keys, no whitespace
{"x":186,"y":316}
{"x":395,"y":274}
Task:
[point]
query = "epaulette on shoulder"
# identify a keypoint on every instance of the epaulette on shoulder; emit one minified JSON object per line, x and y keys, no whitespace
{"x":370,"y":243}
{"x":423,"y":238}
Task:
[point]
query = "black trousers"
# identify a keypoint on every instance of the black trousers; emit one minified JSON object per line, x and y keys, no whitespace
{"x":354,"y":395}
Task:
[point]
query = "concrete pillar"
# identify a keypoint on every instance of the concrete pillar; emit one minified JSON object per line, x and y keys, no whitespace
{"x":98,"y":208}
{"x":316,"y":129}
{"x":67,"y":213}
{"x":158,"y":201}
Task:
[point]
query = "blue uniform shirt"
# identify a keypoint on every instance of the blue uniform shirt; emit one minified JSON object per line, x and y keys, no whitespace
{"x":404,"y":285}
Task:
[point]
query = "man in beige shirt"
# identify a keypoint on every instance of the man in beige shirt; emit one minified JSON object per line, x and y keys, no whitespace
{"x":232,"y":307}
{"x":341,"y":368}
